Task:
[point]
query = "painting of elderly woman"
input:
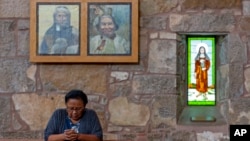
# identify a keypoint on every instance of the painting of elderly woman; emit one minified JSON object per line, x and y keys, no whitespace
{"x":109,"y":29}
{"x":58,"y":29}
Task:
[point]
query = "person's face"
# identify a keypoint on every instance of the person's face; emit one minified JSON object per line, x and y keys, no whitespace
{"x":202,"y":50}
{"x":107,"y":26}
{"x":75,"y":108}
{"x":61,"y":18}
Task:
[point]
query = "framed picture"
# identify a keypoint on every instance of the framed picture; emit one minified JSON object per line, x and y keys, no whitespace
{"x":98,"y":31}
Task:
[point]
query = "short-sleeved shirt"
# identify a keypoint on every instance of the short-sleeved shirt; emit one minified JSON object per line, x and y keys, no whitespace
{"x":89,"y":123}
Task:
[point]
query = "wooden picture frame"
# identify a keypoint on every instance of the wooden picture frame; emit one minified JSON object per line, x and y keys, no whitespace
{"x":84,"y":31}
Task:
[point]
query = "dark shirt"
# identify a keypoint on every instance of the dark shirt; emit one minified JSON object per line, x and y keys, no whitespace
{"x":52,"y":34}
{"x":89,"y":123}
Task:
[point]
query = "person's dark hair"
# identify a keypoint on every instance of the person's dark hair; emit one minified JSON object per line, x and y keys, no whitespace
{"x":76,"y":94}
{"x":199,"y":53}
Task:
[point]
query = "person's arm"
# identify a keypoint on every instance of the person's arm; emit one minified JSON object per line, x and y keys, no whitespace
{"x":96,"y":134}
{"x":93,"y":125}
{"x":51,"y":132}
{"x":207,"y":64}
{"x":69,"y":135}
{"x":72,"y":136}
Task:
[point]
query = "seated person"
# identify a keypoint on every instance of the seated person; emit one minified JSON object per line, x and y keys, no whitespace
{"x":75,"y":122}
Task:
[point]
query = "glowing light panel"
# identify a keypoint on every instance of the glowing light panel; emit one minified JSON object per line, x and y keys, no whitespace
{"x":201,"y":71}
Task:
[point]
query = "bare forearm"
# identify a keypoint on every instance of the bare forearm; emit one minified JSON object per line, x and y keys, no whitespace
{"x":86,"y":137}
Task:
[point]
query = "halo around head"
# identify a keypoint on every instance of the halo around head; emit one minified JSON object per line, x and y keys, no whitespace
{"x":200,"y":45}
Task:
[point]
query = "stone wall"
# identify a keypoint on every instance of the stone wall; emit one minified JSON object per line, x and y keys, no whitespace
{"x":148,"y":95}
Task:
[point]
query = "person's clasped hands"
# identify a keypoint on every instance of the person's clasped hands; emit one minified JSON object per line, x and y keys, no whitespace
{"x":70,"y":135}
